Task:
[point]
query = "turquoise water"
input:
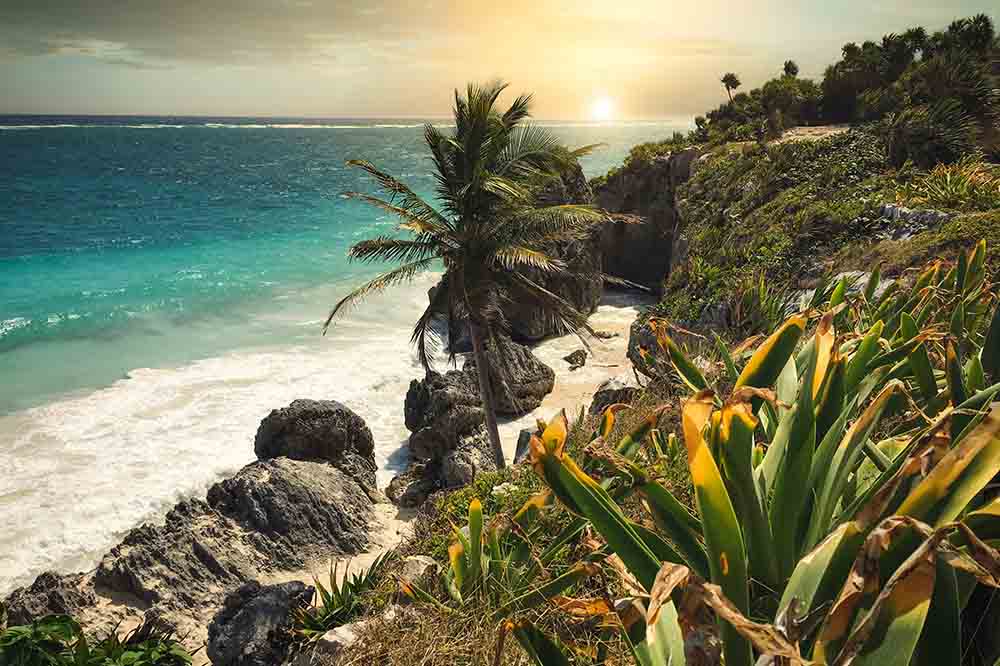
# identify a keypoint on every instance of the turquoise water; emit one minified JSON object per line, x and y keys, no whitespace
{"x":145,"y":242}
{"x":162,"y":286}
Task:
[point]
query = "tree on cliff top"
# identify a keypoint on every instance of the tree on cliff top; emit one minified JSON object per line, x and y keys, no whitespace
{"x":488,"y":228}
{"x":731,"y":82}
{"x":790,"y":68}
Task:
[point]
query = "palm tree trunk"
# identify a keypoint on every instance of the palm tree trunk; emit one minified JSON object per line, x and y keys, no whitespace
{"x":486,"y":392}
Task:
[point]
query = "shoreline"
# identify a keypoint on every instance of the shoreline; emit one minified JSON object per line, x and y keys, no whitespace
{"x":572,"y":391}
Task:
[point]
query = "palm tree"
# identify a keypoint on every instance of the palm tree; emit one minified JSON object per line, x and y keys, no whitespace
{"x":731,"y":82}
{"x":488,"y":229}
{"x":791,"y":68}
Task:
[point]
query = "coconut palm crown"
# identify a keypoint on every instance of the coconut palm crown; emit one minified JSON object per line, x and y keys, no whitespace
{"x":731,"y":82}
{"x":486,"y":227}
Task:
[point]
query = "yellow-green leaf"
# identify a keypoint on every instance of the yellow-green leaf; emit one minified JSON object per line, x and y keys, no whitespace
{"x":766,"y":363}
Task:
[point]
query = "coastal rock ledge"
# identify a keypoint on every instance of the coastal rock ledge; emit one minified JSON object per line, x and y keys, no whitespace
{"x":273,"y":516}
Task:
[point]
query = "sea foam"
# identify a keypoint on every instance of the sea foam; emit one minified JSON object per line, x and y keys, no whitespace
{"x":82,"y":470}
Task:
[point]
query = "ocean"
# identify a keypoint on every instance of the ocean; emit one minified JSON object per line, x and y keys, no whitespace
{"x":163,"y":283}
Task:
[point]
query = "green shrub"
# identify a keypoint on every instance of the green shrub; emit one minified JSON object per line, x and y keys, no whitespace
{"x":57,"y":640}
{"x":931,"y":134}
{"x":971,"y":184}
{"x":340,"y":601}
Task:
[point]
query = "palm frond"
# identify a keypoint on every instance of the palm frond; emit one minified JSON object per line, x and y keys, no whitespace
{"x":388,"y":248}
{"x":559,"y":222}
{"x":519,"y":110}
{"x":530,"y":150}
{"x":397,"y":275}
{"x":583,"y":151}
{"x":514,"y":257}
{"x":428,"y":222}
{"x":408,"y":200}
{"x":422,"y":331}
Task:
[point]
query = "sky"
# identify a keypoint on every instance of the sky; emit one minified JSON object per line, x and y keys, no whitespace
{"x":619,"y":60}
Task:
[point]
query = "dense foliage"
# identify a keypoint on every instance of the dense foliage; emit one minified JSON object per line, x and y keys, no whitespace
{"x":57,"y":640}
{"x":936,"y":95}
{"x":844,"y":506}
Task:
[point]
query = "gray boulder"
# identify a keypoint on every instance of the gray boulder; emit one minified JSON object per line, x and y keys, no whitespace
{"x":440,"y":409}
{"x":641,"y":337}
{"x":329,"y":649}
{"x":577,"y":359}
{"x":419,"y":570}
{"x":523,"y":449}
{"x":622,"y":389}
{"x":253,"y":626}
{"x":320,"y":430}
{"x":518,"y":378}
{"x":465,"y":462}
{"x":412,"y":488}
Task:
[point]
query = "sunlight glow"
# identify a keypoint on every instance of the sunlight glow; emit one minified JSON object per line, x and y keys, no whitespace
{"x":602,"y":109}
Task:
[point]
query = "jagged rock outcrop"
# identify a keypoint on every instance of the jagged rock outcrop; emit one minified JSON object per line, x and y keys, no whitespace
{"x":414,"y":485}
{"x":643,"y":349}
{"x":637,"y":245}
{"x":273,"y":515}
{"x":518,"y":378}
{"x":473,"y":456}
{"x":320,"y":430}
{"x":576,"y":359}
{"x":448,"y":441}
{"x":50,"y":594}
{"x":655,"y":362}
{"x":440,"y":409}
{"x":252,"y":628}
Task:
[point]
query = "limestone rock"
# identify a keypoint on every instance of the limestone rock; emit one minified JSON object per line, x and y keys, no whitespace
{"x":50,"y":594}
{"x":419,"y":569}
{"x":621,"y":389}
{"x":523,"y":449}
{"x":320,"y":430}
{"x":641,"y":337}
{"x":577,"y":359}
{"x":328,"y":649}
{"x":464,"y":463}
{"x":252,"y":628}
{"x":278,"y":511}
{"x":413,"y":487}
{"x":637,"y":244}
{"x":439,"y":409}
{"x":518,"y":378}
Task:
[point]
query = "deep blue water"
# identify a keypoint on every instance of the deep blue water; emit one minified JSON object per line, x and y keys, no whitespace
{"x":131,"y":242}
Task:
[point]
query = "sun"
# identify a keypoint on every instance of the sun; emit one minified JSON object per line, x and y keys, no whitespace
{"x":602,"y":109}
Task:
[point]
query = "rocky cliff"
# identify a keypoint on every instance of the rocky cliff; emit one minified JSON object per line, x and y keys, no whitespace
{"x":638,"y":243}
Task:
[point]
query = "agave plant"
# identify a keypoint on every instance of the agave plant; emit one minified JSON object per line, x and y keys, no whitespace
{"x":340,"y":602}
{"x":853,"y":568}
{"x":58,"y":640}
{"x":500,"y":564}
